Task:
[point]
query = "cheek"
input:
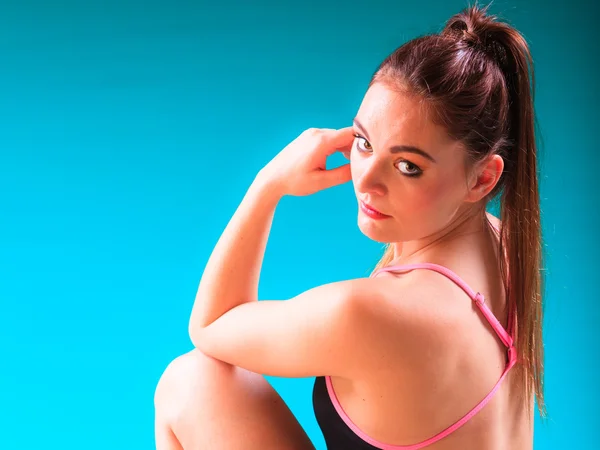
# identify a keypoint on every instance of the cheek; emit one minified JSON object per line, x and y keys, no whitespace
{"x":425,"y":206}
{"x":353,"y":171}
{"x":420,"y":199}
{"x":439,"y":203}
{"x":435,"y":196}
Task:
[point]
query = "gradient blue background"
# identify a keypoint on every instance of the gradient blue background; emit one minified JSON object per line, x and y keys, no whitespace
{"x":129,"y":133}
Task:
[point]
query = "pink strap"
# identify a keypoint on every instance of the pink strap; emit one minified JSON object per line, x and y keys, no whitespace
{"x":478,"y":298}
{"x":505,"y":337}
{"x":437,"y":437}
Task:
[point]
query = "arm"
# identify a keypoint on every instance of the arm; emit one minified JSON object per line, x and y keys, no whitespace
{"x":232,"y":272}
{"x":233,"y":269}
{"x":319,"y":332}
{"x":305,"y":335}
{"x":337,"y":329}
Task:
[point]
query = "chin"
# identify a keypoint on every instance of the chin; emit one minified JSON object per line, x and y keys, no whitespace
{"x":376,"y":230}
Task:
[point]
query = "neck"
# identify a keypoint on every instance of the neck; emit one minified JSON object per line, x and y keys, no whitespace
{"x":464,"y":223}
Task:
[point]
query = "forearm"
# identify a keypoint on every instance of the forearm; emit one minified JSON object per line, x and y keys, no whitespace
{"x":232,"y":273}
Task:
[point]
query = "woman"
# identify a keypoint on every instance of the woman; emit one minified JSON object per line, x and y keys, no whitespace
{"x":425,"y":352}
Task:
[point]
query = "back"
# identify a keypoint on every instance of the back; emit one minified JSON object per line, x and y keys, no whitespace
{"x":402,"y":403}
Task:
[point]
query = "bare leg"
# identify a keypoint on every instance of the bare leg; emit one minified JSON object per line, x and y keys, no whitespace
{"x":203,"y":403}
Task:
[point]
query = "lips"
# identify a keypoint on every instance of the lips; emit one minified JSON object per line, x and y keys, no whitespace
{"x":366,"y":205}
{"x":370,"y":211}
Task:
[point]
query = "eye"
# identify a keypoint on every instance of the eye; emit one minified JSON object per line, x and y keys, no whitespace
{"x":409,"y":169}
{"x":366,"y":148}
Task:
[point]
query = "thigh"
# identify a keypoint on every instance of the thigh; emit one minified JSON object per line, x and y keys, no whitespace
{"x":213,"y":405}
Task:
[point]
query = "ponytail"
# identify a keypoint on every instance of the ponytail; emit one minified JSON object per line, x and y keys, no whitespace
{"x":520,"y":237}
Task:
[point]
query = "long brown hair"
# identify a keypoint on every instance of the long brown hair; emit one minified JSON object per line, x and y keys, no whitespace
{"x":476,"y":77}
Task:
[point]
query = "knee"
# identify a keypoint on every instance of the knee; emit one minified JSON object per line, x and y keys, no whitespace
{"x":187,"y":376}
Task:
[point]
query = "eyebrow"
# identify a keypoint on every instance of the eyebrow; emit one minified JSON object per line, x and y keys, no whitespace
{"x":398,"y":148}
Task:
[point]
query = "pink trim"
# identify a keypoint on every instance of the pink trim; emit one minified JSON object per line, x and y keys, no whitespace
{"x":437,"y":437}
{"x":476,"y":297}
{"x":507,"y":339}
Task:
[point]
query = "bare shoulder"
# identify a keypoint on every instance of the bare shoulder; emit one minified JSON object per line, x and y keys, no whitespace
{"x":338,"y":329}
{"x":411,"y":314}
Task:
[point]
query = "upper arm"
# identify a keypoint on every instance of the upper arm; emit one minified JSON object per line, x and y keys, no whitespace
{"x":336,"y":329}
{"x":319,"y":332}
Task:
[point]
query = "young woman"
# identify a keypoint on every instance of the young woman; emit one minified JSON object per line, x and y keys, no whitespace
{"x":426,"y":352}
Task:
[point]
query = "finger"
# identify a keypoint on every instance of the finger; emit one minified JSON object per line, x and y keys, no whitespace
{"x":337,"y":139}
{"x":333,"y":177}
{"x":345,"y":151}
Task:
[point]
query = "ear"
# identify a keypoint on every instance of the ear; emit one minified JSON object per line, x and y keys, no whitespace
{"x":484,"y":177}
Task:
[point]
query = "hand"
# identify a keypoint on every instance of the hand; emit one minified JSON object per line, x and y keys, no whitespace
{"x":300,"y":168}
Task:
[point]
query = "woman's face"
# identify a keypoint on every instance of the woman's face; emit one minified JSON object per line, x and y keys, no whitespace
{"x":405,"y":167}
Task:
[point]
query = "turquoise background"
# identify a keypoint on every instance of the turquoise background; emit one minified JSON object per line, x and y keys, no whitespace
{"x":129,"y":133}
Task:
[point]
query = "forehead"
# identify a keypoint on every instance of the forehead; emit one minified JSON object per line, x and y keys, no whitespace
{"x":393,"y":117}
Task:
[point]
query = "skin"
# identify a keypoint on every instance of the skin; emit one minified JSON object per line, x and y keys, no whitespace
{"x":408,"y":354}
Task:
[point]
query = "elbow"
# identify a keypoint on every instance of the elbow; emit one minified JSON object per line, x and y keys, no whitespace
{"x":196,"y":334}
{"x":196,"y":327}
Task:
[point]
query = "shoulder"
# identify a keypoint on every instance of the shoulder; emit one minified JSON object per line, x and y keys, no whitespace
{"x":412,"y":314}
{"x":343,"y":328}
{"x":412,"y":296}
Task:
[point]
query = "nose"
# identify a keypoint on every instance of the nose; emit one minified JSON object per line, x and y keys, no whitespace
{"x":370,"y":177}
